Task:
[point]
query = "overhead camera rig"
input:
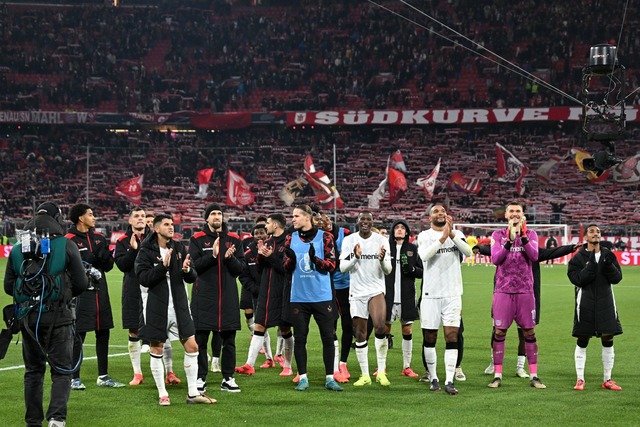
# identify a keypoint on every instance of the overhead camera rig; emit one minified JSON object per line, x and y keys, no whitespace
{"x":603,"y":105}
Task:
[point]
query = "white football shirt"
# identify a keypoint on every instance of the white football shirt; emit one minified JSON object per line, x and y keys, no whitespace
{"x":442,"y":274}
{"x":367,"y":273}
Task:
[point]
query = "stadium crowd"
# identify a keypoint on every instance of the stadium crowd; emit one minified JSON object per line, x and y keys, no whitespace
{"x":53,"y":166}
{"x":217,"y":57}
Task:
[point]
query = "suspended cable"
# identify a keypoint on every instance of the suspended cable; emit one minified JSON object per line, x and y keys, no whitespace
{"x":515,"y":69}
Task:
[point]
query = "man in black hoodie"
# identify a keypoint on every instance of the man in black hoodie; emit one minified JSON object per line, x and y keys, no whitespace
{"x":50,"y":321}
{"x":218,"y":259}
{"x":93,"y":308}
{"x":406,"y":267}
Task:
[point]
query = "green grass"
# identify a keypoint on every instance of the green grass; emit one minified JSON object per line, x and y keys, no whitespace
{"x":267,"y":399}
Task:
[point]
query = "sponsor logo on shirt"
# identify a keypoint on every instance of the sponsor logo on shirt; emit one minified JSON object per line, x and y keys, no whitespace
{"x":447,"y":250}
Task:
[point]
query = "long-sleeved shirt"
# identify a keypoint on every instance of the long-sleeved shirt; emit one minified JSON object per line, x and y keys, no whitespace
{"x":367,"y":273}
{"x":513,"y":261}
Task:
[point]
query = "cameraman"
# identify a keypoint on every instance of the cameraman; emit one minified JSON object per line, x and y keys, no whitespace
{"x":93,"y":307}
{"x":53,"y":334}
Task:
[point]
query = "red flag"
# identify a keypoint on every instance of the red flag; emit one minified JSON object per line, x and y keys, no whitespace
{"x":510,"y":169}
{"x":204,"y":176}
{"x":429,"y":183}
{"x":460,"y":183}
{"x":397,"y":185}
{"x":131,"y":189}
{"x":326,"y":193}
{"x":238,"y":191}
{"x":397,"y":162}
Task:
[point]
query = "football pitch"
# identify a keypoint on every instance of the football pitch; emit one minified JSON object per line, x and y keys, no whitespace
{"x":268,"y":399}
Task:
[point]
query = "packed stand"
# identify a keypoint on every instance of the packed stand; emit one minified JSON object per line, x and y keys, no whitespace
{"x":216,"y":57}
{"x":54,"y":167}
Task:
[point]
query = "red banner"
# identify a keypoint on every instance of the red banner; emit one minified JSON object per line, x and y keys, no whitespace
{"x":221,"y":121}
{"x":444,"y":116}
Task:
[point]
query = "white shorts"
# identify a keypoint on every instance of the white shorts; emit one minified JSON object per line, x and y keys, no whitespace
{"x":172,"y":326}
{"x":359,"y":308}
{"x":440,"y":311}
{"x":396,"y":314}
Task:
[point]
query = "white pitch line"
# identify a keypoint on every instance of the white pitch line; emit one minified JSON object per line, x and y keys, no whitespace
{"x":11,"y":368}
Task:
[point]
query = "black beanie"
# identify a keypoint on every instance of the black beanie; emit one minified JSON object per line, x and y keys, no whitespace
{"x":210,"y":208}
{"x":50,"y":209}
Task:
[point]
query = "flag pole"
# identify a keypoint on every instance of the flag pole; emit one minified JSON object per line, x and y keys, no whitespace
{"x":335,"y":183}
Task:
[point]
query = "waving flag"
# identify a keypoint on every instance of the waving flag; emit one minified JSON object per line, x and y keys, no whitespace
{"x":547,"y":169}
{"x":204,"y":176}
{"x":394,"y":178}
{"x":326,"y":193}
{"x":292,"y":190}
{"x":397,"y":162}
{"x":397,"y":185}
{"x":428,"y":184}
{"x":628,"y":172}
{"x":579,"y":155}
{"x":378,"y":194}
{"x":510,"y":169}
{"x":131,"y":189}
{"x":460,"y":183}
{"x":238,"y":191}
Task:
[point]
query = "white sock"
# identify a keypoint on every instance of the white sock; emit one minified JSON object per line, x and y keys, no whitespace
{"x":407,"y":352}
{"x":191,"y":371}
{"x":382,"y":346}
{"x":167,"y":356}
{"x":450,"y":359}
{"x":254,"y":349}
{"x":580,"y":357}
{"x":287,"y":351}
{"x":608,"y":357}
{"x":280,"y":343}
{"x":362,"y":354}
{"x":431,"y":358}
{"x":157,"y":371}
{"x":251,"y":323}
{"x":267,"y":346}
{"x":520,"y":364}
{"x":134,"y":355}
{"x":336,"y":355}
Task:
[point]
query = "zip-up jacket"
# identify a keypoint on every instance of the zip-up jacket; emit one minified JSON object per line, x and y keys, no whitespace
{"x":214,"y":300}
{"x":152,"y":274}
{"x":93,"y":309}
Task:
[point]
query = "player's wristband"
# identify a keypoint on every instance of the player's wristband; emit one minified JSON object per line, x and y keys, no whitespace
{"x":524,"y":240}
{"x":507,"y":246}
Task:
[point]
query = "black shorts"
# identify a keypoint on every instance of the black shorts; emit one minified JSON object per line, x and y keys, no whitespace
{"x":246,"y":300}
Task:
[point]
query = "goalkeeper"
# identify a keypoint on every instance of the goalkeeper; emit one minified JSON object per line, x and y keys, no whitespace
{"x":513,"y":251}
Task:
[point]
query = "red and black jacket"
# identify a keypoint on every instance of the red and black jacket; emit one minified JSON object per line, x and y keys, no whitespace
{"x":214,"y":300}
{"x":93,"y":309}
